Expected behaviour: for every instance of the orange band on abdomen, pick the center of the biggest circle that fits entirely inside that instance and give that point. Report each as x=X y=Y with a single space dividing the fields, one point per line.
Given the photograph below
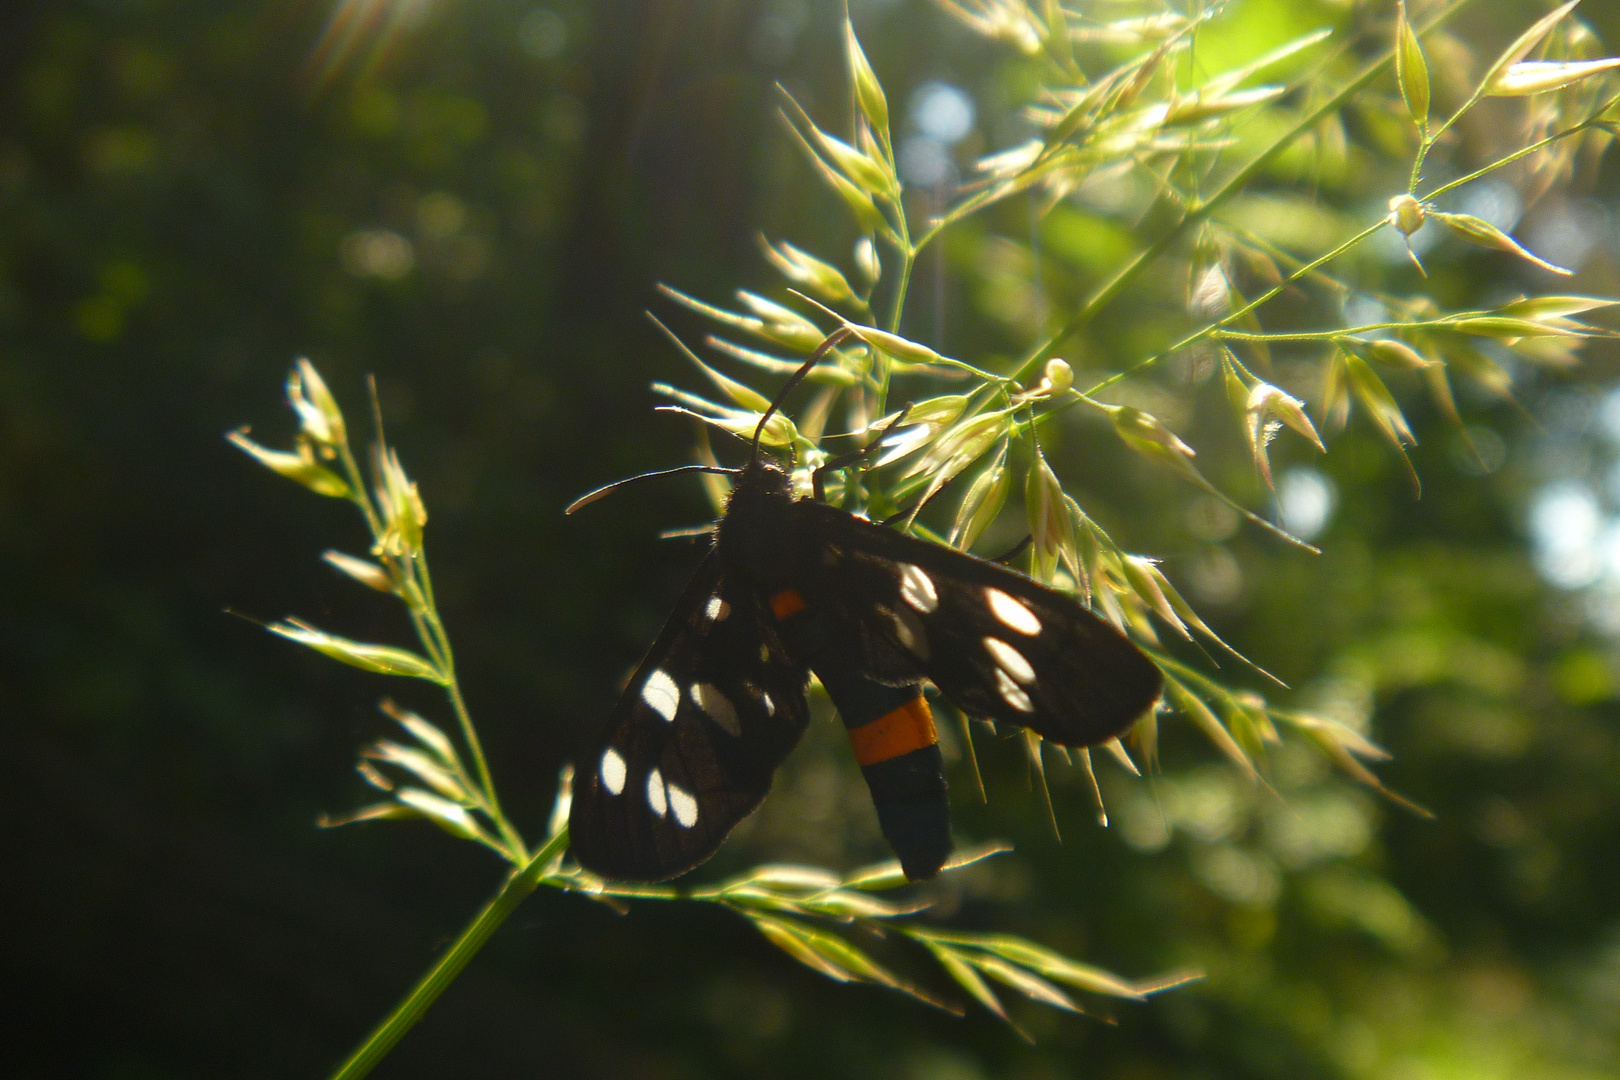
x=786 y=603
x=908 y=728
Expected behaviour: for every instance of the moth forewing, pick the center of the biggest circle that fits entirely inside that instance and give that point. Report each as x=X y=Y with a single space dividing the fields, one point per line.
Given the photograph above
x=702 y=725
x=997 y=643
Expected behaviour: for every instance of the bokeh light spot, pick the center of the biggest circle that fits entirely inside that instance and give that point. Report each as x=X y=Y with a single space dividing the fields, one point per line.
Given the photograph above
x=1305 y=502
x=1565 y=524
x=942 y=112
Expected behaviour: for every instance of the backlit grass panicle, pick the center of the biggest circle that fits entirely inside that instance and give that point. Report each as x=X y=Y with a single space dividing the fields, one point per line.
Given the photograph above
x=819 y=917
x=1139 y=115
x=1223 y=230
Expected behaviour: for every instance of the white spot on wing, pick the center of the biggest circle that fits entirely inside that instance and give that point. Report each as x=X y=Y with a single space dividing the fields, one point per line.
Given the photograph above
x=770 y=706
x=909 y=629
x=708 y=697
x=655 y=792
x=1012 y=612
x=1010 y=660
x=683 y=806
x=717 y=609
x=662 y=694
x=612 y=771
x=1012 y=693
x=917 y=588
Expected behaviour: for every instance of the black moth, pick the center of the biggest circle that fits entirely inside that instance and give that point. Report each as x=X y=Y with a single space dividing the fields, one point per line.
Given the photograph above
x=796 y=585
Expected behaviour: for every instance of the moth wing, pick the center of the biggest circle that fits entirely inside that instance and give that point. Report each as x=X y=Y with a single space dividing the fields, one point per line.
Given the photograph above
x=997 y=643
x=693 y=742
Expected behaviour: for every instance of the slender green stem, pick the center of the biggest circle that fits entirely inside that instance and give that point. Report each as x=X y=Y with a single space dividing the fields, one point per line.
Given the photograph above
x=958 y=212
x=433 y=635
x=908 y=259
x=1428 y=140
x=1260 y=243
x=357 y=486
x=411 y=577
x=1232 y=186
x=902 y=285
x=419 y=624
x=1217 y=329
x=516 y=889
x=1589 y=122
x=1213 y=328
x=508 y=834
x=1417 y=158
x=1220 y=334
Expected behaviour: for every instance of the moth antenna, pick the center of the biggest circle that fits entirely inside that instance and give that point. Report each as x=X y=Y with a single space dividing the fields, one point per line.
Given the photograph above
x=833 y=339
x=1017 y=549
x=586 y=500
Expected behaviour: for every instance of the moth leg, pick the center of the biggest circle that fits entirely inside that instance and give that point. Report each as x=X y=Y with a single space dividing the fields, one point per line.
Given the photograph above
x=818 y=482
x=1015 y=551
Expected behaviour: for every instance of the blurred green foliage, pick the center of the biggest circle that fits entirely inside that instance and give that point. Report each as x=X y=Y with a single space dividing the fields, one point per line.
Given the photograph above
x=475 y=207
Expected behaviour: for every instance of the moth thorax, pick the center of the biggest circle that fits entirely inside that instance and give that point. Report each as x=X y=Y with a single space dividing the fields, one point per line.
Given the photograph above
x=757 y=527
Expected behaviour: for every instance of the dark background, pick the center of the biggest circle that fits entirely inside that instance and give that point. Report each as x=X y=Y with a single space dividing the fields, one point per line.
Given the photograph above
x=179 y=207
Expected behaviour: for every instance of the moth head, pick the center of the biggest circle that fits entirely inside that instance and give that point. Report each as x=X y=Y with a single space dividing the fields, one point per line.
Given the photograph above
x=760 y=481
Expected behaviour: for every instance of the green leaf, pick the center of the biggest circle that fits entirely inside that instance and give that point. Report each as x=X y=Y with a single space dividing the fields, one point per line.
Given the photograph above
x=364 y=571
x=982 y=503
x=1505 y=328
x=449 y=816
x=743 y=395
x=1539 y=76
x=1054 y=965
x=301 y=466
x=1524 y=43
x=429 y=735
x=966 y=977
x=419 y=764
x=1027 y=983
x=382 y=659
x=868 y=91
x=818 y=277
x=888 y=875
x=827 y=953
x=1544 y=307
x=1378 y=401
x=1204 y=717
x=1411 y=71
x=382 y=811
x=1479 y=231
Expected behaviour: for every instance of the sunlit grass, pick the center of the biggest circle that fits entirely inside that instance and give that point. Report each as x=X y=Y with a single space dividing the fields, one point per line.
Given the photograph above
x=1178 y=165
